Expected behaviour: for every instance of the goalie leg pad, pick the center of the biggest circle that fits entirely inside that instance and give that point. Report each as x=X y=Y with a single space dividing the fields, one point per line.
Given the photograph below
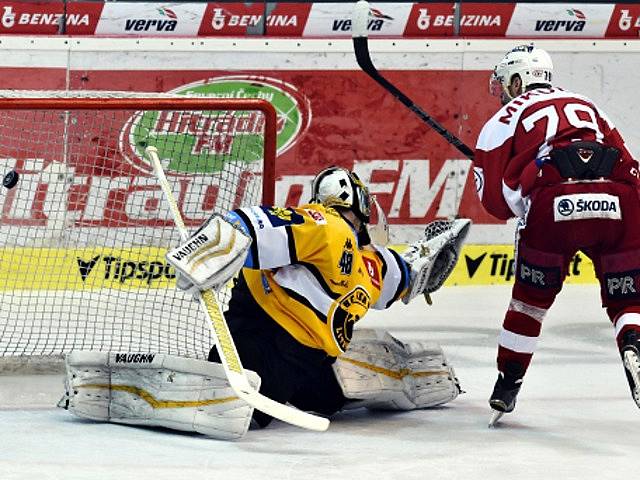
x=379 y=372
x=156 y=390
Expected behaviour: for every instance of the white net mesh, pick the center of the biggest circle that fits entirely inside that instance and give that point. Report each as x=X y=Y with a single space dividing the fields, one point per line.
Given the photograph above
x=84 y=232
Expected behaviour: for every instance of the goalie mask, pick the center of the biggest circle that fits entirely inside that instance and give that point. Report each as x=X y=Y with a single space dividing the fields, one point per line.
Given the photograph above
x=338 y=187
x=533 y=66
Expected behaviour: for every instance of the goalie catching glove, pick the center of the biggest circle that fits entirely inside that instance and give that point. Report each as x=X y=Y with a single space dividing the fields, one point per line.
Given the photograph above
x=211 y=256
x=432 y=259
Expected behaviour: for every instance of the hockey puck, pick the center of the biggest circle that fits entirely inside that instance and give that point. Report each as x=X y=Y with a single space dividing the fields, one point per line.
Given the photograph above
x=10 y=179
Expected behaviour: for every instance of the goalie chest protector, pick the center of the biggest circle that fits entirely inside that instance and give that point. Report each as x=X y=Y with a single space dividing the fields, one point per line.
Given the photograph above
x=327 y=284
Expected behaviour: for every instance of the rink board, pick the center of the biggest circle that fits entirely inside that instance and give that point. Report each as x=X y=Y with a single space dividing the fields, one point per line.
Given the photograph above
x=136 y=268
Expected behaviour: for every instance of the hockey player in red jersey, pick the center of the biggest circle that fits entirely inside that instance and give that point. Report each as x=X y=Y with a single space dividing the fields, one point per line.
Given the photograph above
x=553 y=159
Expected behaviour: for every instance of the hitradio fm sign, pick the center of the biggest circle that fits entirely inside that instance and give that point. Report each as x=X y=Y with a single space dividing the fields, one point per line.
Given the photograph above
x=192 y=142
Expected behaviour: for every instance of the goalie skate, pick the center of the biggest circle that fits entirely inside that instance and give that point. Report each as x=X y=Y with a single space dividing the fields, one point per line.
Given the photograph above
x=631 y=361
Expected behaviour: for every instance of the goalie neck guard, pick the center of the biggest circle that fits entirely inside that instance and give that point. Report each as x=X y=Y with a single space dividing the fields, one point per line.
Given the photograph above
x=338 y=187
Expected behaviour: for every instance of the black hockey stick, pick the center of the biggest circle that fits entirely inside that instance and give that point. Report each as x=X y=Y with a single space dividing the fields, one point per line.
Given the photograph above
x=361 y=48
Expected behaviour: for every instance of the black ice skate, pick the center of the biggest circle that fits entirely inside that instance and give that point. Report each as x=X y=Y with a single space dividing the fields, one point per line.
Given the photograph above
x=631 y=360
x=505 y=391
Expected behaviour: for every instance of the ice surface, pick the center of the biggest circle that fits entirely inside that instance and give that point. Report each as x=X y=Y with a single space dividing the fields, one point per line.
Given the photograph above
x=575 y=418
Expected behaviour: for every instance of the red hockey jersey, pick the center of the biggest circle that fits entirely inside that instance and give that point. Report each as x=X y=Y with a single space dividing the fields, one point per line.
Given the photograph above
x=528 y=128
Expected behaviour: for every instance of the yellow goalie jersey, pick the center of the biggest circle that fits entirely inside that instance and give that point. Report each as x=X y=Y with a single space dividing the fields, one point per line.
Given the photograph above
x=307 y=272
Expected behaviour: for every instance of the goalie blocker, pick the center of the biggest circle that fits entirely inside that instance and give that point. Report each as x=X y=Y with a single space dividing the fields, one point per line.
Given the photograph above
x=211 y=256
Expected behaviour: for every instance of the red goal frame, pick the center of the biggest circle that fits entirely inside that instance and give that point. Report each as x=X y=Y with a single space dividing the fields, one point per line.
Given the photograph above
x=151 y=103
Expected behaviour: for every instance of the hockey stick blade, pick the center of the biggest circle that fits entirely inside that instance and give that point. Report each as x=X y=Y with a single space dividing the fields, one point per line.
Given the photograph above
x=224 y=341
x=238 y=380
x=363 y=57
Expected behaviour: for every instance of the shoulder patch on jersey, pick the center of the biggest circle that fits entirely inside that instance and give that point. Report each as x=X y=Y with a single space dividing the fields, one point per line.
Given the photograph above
x=280 y=217
x=317 y=216
x=372 y=270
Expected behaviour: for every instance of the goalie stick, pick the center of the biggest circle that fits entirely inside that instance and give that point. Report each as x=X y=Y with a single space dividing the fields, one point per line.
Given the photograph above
x=361 y=49
x=220 y=331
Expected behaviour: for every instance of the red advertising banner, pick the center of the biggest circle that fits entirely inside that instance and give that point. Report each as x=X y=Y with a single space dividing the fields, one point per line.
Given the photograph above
x=625 y=21
x=476 y=19
x=485 y=19
x=430 y=19
x=284 y=19
x=48 y=18
x=326 y=118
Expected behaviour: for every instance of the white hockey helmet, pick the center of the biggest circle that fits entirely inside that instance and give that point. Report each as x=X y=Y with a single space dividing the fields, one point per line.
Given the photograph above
x=533 y=65
x=338 y=187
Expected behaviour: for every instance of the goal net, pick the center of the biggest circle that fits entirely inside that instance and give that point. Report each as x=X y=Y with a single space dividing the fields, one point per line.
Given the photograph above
x=84 y=231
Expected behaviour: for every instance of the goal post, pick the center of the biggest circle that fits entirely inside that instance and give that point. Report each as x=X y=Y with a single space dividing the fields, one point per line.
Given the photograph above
x=84 y=231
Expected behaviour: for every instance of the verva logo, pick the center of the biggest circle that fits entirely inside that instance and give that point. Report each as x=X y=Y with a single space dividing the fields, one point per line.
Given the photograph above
x=49 y=18
x=575 y=23
x=335 y=19
x=240 y=19
x=376 y=22
x=131 y=18
x=557 y=20
x=166 y=24
x=191 y=142
x=625 y=21
x=438 y=19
